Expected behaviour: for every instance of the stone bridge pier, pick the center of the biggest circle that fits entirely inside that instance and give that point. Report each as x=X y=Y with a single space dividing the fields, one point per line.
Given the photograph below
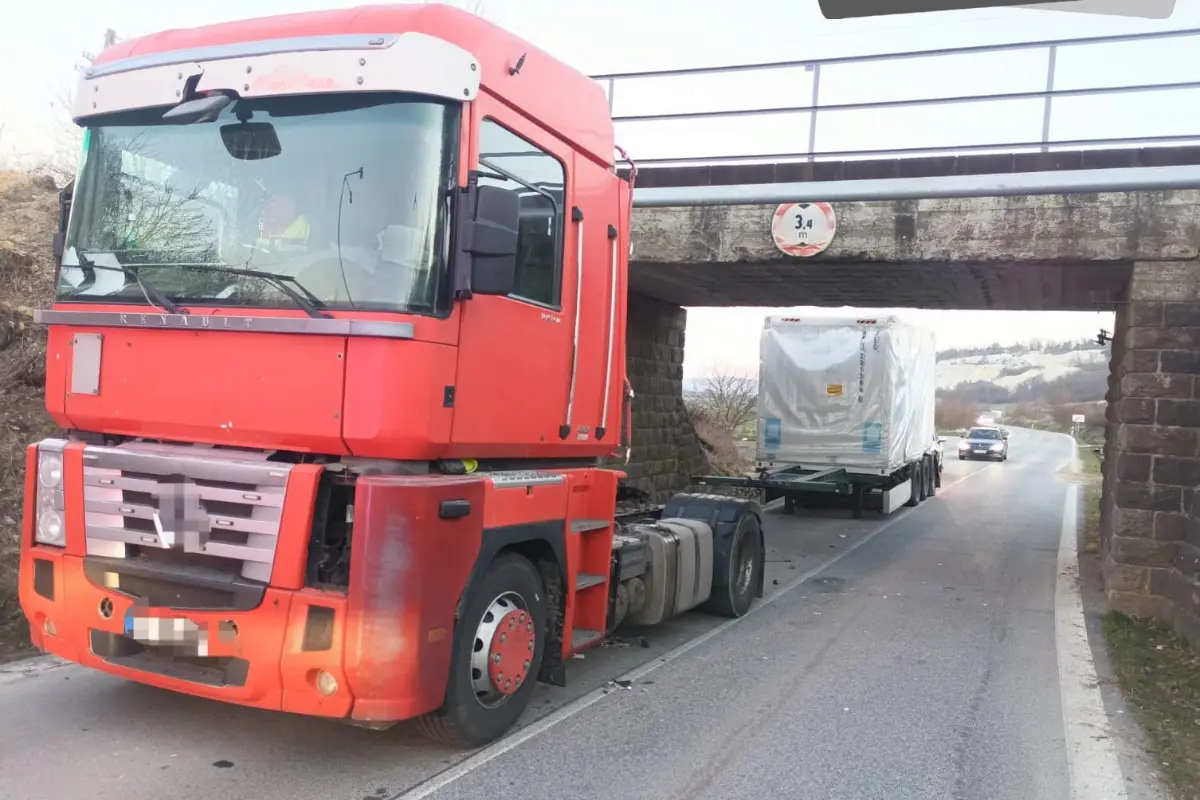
x=666 y=450
x=1150 y=512
x=1136 y=253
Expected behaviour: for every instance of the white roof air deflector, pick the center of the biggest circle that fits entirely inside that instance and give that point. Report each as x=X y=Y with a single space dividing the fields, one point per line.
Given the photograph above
x=407 y=62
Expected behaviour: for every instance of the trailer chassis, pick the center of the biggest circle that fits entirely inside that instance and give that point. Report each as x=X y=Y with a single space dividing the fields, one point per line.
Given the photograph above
x=794 y=483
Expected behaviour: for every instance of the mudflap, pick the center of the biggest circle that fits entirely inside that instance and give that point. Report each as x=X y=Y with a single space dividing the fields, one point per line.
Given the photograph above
x=722 y=514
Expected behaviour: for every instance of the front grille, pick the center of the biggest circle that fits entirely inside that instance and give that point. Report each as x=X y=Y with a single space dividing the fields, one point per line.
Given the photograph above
x=185 y=506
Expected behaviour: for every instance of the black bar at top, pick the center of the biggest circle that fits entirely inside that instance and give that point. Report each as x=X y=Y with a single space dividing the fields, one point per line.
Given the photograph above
x=850 y=9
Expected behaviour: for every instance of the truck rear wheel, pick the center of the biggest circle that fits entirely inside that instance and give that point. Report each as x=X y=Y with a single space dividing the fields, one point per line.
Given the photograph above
x=745 y=567
x=931 y=476
x=914 y=484
x=498 y=646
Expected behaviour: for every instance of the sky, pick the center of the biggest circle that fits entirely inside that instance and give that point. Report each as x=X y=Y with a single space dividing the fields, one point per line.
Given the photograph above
x=49 y=40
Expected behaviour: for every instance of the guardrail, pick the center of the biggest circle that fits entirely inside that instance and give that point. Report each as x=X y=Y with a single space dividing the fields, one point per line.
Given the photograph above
x=1048 y=94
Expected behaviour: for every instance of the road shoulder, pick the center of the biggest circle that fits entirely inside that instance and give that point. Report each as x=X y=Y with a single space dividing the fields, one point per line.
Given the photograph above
x=1143 y=780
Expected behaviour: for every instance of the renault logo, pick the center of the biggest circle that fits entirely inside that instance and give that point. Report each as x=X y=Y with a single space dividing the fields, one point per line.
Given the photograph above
x=181 y=521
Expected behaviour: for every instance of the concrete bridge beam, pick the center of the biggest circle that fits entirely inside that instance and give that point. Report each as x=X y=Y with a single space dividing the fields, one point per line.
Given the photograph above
x=1053 y=252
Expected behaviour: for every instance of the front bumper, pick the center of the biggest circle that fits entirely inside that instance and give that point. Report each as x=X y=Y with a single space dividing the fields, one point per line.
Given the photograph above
x=263 y=658
x=384 y=643
x=971 y=455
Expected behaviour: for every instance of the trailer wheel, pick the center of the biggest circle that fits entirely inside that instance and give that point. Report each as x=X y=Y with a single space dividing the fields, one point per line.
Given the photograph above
x=914 y=481
x=937 y=472
x=745 y=572
x=935 y=478
x=498 y=646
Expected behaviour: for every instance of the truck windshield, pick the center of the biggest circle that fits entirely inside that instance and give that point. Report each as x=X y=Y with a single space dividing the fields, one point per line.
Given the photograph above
x=350 y=198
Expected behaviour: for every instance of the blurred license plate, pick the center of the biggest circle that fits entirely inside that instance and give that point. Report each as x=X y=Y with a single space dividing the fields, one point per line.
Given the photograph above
x=980 y=452
x=167 y=631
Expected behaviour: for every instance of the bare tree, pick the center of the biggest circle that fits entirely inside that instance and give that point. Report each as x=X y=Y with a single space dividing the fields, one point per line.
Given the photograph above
x=955 y=413
x=5 y=157
x=60 y=156
x=729 y=400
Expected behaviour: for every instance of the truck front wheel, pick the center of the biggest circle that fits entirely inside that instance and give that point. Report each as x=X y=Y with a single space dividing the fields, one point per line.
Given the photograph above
x=498 y=646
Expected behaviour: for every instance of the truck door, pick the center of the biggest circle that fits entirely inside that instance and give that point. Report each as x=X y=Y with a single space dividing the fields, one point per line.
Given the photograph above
x=514 y=351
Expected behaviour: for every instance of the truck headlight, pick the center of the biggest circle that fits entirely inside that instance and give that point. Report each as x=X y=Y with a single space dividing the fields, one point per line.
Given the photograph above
x=50 y=471
x=48 y=523
x=50 y=527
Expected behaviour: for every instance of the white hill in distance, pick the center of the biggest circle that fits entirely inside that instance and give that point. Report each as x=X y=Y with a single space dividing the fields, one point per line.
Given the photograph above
x=1069 y=371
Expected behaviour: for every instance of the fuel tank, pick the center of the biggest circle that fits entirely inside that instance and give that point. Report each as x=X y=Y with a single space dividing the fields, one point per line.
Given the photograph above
x=679 y=571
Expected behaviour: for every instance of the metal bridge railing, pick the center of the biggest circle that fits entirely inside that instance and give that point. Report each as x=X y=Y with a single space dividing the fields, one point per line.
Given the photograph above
x=814 y=108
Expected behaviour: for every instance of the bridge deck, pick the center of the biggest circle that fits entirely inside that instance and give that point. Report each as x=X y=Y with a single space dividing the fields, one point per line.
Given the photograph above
x=916 y=167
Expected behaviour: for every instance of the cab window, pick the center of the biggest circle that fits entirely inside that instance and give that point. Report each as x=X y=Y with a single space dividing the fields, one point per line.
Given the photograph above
x=511 y=162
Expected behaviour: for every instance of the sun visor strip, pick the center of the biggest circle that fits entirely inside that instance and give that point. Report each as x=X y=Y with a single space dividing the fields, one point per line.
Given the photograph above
x=233 y=324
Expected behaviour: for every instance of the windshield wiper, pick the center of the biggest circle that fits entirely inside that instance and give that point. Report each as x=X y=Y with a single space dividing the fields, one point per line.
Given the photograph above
x=307 y=301
x=152 y=295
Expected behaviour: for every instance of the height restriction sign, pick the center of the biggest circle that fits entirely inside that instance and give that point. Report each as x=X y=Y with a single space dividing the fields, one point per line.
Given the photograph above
x=803 y=229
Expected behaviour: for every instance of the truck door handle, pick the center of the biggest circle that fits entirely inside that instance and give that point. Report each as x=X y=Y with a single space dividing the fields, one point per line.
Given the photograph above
x=454 y=509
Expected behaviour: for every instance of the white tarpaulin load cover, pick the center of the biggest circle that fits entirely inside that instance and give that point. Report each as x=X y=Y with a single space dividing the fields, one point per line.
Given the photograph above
x=851 y=391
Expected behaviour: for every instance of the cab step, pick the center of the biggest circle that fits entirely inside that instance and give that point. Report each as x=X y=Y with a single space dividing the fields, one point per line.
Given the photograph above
x=589 y=525
x=582 y=637
x=586 y=580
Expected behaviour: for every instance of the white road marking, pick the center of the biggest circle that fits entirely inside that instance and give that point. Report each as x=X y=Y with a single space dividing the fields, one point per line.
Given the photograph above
x=1095 y=773
x=519 y=737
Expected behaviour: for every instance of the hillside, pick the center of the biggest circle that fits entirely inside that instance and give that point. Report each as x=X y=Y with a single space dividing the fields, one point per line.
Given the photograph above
x=28 y=213
x=1056 y=372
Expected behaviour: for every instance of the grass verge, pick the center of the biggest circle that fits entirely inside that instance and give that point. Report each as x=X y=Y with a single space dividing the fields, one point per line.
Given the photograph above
x=1160 y=675
x=1089 y=467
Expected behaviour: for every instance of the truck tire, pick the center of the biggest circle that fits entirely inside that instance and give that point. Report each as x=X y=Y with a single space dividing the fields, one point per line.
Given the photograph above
x=935 y=479
x=503 y=620
x=731 y=519
x=744 y=570
x=914 y=481
x=937 y=473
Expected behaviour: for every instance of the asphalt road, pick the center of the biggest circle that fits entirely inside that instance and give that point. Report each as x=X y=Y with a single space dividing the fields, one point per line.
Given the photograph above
x=912 y=656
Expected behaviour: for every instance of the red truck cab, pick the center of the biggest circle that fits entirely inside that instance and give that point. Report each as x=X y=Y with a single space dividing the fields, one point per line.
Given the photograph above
x=338 y=345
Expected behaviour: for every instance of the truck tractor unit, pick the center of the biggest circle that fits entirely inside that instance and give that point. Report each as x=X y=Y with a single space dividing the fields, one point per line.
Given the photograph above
x=338 y=350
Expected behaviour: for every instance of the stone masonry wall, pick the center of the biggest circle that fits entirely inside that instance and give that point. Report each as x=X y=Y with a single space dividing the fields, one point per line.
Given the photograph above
x=666 y=451
x=1150 y=514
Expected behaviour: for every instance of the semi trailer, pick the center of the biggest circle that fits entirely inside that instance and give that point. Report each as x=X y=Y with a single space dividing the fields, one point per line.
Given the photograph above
x=338 y=350
x=846 y=411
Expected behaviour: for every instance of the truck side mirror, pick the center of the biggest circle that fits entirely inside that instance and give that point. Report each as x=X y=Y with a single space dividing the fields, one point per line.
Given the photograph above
x=64 y=215
x=493 y=246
